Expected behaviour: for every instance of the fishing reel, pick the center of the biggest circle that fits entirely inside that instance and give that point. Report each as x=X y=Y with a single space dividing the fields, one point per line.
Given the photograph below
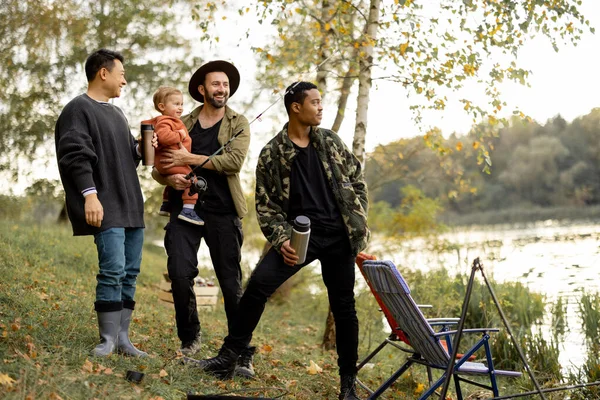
x=199 y=185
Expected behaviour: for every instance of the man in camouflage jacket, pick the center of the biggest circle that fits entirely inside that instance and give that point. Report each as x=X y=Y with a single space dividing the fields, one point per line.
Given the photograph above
x=344 y=176
x=305 y=171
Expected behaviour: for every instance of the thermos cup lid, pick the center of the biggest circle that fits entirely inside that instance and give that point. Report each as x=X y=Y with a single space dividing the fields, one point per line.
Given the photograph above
x=147 y=127
x=302 y=223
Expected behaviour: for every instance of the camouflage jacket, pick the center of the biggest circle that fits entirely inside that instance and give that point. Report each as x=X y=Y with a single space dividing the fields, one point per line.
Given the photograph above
x=344 y=176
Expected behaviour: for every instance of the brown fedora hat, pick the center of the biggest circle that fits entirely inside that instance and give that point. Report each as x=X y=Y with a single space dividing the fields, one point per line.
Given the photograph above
x=219 y=65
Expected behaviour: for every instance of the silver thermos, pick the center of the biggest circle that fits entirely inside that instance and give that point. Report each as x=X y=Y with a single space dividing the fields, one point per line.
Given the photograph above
x=300 y=236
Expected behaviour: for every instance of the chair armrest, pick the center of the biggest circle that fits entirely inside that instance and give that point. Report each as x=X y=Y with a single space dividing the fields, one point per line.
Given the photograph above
x=470 y=330
x=442 y=321
x=424 y=306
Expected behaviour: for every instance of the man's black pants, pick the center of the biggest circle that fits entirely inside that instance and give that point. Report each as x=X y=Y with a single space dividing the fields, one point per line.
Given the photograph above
x=337 y=266
x=224 y=237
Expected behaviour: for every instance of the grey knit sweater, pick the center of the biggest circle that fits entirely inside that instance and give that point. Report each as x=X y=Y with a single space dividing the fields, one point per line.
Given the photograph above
x=95 y=148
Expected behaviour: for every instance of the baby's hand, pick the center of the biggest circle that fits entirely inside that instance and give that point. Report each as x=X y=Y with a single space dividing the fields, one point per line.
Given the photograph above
x=183 y=134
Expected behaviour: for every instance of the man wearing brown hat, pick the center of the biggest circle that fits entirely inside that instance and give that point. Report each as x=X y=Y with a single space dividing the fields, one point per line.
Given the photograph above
x=222 y=205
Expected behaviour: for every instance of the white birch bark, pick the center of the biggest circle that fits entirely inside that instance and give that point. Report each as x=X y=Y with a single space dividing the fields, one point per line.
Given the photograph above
x=364 y=82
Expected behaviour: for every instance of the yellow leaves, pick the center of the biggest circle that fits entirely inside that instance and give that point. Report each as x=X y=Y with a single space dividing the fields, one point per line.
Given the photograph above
x=469 y=69
x=492 y=120
x=6 y=380
x=476 y=145
x=314 y=369
x=327 y=26
x=270 y=58
x=419 y=90
x=570 y=27
x=419 y=389
x=459 y=146
x=403 y=48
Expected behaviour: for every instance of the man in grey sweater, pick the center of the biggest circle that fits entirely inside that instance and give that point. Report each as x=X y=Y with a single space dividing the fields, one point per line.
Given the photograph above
x=97 y=160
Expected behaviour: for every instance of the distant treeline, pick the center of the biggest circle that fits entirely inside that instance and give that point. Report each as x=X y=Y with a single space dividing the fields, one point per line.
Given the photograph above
x=533 y=166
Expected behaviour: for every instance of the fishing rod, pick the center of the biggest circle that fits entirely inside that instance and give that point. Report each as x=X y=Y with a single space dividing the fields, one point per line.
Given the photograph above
x=199 y=184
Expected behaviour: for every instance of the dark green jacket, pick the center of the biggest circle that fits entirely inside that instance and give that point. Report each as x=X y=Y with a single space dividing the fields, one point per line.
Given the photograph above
x=229 y=162
x=344 y=176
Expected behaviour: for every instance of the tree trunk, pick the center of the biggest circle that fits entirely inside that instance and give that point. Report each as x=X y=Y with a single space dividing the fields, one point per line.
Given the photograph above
x=325 y=49
x=343 y=99
x=364 y=82
x=63 y=217
x=329 y=334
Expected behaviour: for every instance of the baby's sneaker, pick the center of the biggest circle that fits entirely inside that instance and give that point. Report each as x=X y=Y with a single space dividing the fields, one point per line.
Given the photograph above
x=189 y=215
x=165 y=209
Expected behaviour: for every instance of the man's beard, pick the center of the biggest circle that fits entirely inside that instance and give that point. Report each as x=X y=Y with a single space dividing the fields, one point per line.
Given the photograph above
x=215 y=103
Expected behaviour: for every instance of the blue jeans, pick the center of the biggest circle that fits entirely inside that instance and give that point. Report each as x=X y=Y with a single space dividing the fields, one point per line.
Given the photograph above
x=119 y=259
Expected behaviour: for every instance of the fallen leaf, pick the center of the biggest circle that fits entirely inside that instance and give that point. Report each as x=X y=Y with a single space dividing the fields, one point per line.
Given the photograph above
x=419 y=389
x=87 y=366
x=6 y=380
x=54 y=396
x=108 y=371
x=314 y=369
x=266 y=348
x=163 y=373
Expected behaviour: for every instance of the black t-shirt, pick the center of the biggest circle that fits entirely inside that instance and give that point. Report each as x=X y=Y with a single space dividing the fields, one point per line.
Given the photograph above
x=310 y=195
x=217 y=198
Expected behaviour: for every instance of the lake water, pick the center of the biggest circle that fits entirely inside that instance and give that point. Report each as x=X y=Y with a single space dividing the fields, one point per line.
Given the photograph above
x=556 y=259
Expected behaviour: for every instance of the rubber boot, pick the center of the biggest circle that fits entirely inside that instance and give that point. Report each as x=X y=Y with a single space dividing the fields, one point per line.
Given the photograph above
x=222 y=366
x=124 y=345
x=348 y=387
x=108 y=325
x=244 y=366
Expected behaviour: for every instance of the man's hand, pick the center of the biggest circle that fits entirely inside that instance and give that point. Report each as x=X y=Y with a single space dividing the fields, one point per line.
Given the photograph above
x=289 y=254
x=177 y=181
x=94 y=213
x=176 y=158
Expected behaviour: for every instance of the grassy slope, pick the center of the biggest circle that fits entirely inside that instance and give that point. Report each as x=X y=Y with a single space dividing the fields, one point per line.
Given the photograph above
x=48 y=327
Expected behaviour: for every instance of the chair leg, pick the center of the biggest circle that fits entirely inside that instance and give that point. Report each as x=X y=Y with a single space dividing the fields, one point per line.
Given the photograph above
x=373 y=354
x=457 y=385
x=392 y=379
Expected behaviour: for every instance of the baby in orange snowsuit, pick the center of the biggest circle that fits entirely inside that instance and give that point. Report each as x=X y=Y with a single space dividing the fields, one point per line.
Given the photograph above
x=170 y=131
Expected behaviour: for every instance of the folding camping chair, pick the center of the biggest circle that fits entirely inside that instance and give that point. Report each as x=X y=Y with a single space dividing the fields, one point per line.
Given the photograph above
x=428 y=350
x=397 y=336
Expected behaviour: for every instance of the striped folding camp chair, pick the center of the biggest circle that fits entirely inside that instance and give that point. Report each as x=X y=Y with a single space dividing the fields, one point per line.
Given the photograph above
x=427 y=345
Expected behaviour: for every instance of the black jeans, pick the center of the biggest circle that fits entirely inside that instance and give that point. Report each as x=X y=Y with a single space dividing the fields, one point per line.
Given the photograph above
x=224 y=237
x=337 y=266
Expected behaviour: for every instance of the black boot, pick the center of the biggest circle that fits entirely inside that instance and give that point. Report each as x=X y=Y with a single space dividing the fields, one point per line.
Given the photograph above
x=222 y=366
x=348 y=387
x=244 y=366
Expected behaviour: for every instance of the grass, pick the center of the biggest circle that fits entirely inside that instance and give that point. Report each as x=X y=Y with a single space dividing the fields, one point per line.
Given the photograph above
x=48 y=326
